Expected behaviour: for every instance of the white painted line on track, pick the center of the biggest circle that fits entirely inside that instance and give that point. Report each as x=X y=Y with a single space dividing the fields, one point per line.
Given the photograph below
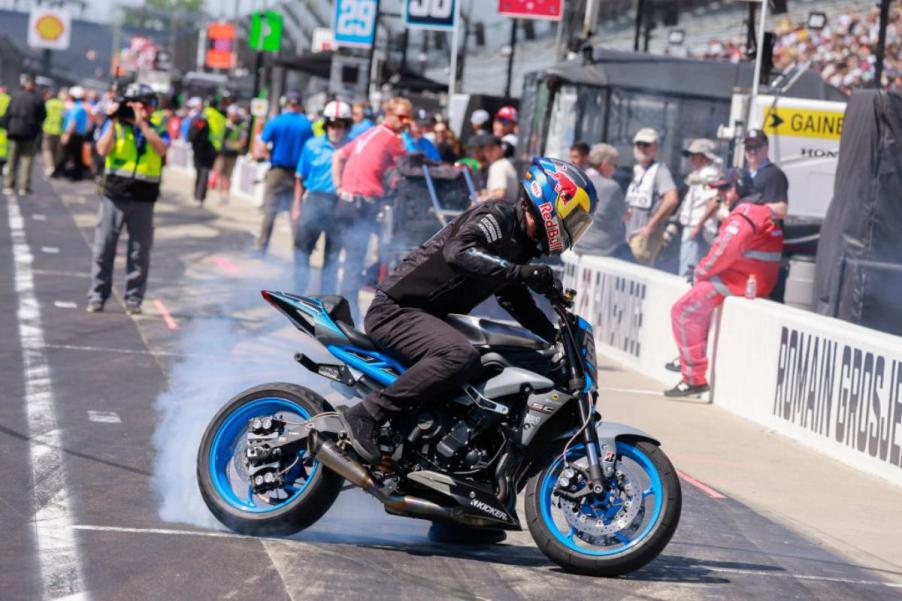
x=65 y=305
x=57 y=549
x=104 y=417
x=50 y=250
x=103 y=349
x=630 y=390
x=701 y=486
x=39 y=217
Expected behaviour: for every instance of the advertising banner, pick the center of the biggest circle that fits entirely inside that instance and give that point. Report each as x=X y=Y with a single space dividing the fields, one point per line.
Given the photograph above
x=49 y=28
x=439 y=15
x=354 y=23
x=266 y=31
x=220 y=46
x=552 y=10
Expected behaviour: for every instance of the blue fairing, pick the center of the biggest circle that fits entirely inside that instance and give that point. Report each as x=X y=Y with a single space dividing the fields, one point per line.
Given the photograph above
x=587 y=352
x=310 y=315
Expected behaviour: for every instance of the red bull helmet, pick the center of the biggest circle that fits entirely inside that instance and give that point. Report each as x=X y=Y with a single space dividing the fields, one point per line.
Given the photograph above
x=563 y=199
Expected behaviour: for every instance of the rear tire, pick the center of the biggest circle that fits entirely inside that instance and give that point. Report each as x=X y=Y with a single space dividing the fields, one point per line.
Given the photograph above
x=573 y=553
x=218 y=471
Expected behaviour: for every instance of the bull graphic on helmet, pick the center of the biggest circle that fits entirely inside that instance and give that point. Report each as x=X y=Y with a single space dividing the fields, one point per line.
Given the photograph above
x=562 y=198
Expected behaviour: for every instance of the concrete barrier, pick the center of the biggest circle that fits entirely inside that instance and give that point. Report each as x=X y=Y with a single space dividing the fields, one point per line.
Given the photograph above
x=829 y=384
x=629 y=308
x=826 y=383
x=180 y=157
x=247 y=180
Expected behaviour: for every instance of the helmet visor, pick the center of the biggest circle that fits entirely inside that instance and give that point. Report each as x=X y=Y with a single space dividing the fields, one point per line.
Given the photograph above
x=575 y=225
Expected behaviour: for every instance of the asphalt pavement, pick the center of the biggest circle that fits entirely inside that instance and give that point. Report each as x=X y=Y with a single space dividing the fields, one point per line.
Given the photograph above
x=101 y=415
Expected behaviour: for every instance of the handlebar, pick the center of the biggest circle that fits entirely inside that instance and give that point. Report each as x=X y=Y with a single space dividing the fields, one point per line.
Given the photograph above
x=559 y=296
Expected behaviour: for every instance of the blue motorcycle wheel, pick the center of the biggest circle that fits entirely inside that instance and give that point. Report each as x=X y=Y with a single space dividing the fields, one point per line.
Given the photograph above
x=616 y=531
x=309 y=488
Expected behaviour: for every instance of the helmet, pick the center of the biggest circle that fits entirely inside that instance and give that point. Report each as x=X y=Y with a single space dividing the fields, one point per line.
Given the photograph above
x=337 y=111
x=562 y=199
x=140 y=92
x=77 y=92
x=507 y=113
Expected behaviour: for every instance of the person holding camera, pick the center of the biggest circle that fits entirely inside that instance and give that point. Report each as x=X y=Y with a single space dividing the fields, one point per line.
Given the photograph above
x=651 y=197
x=133 y=146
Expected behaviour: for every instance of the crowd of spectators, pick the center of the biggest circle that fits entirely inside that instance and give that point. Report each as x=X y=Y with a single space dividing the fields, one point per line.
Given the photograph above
x=842 y=52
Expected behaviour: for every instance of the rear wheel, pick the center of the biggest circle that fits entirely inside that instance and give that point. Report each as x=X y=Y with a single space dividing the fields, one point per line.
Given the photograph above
x=308 y=488
x=613 y=532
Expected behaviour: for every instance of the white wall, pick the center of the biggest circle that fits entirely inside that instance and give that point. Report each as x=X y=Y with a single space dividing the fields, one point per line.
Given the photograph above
x=828 y=384
x=247 y=179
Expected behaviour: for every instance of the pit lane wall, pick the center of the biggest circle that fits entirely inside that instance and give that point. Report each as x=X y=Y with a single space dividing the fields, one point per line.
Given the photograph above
x=247 y=178
x=826 y=383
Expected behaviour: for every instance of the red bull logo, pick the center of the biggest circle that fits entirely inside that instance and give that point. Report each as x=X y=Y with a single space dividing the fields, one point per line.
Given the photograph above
x=552 y=231
x=569 y=194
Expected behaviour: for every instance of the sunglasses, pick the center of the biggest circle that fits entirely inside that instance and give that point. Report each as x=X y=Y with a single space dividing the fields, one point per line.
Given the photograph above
x=404 y=117
x=643 y=144
x=753 y=147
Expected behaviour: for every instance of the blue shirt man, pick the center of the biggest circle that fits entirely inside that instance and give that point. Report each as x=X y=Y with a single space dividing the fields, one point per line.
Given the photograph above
x=315 y=164
x=313 y=211
x=360 y=127
x=287 y=134
x=78 y=116
x=422 y=145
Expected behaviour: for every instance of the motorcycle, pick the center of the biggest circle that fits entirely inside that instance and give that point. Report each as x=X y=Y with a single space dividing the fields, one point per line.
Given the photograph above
x=601 y=498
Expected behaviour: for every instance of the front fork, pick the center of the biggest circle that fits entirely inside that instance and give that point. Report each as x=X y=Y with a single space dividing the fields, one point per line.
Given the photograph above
x=590 y=437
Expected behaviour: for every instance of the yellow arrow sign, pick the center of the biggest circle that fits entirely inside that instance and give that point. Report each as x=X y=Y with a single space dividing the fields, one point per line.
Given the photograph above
x=803 y=123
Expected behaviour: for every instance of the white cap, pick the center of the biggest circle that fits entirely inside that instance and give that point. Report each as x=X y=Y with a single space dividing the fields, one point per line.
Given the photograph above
x=194 y=102
x=480 y=117
x=703 y=146
x=647 y=135
x=233 y=109
x=77 y=92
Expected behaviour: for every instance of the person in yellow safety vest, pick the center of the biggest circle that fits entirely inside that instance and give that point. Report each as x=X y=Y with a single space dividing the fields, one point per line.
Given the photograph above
x=232 y=147
x=133 y=150
x=217 y=123
x=4 y=145
x=53 y=131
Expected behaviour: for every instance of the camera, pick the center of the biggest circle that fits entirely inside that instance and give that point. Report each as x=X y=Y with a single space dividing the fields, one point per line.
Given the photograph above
x=124 y=112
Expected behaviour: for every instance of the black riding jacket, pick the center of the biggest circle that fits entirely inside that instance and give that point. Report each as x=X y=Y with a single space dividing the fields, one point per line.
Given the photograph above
x=476 y=255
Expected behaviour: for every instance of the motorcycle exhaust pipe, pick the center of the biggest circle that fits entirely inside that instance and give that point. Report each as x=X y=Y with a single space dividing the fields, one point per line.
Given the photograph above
x=331 y=456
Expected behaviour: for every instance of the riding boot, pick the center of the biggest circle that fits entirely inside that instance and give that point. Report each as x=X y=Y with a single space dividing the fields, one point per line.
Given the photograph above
x=362 y=427
x=457 y=534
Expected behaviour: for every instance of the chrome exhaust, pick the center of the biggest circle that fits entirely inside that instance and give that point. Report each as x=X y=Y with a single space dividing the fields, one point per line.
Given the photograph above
x=328 y=453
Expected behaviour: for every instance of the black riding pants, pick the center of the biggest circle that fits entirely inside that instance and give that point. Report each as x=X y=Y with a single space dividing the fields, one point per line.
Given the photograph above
x=440 y=357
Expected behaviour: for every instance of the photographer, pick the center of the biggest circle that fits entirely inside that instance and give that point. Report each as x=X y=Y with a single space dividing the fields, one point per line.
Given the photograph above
x=133 y=147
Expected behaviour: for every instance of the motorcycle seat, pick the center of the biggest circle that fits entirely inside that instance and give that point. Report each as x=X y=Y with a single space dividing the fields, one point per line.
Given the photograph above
x=357 y=338
x=491 y=334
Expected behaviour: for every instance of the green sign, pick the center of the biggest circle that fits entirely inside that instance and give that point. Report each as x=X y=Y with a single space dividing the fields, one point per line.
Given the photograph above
x=266 y=31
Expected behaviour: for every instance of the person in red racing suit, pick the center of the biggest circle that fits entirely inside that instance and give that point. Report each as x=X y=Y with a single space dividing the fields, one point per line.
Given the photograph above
x=749 y=244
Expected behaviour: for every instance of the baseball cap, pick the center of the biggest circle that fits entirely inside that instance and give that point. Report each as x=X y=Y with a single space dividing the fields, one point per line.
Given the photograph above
x=480 y=117
x=292 y=97
x=755 y=136
x=483 y=140
x=423 y=117
x=194 y=102
x=77 y=92
x=727 y=178
x=702 y=146
x=507 y=113
x=647 y=135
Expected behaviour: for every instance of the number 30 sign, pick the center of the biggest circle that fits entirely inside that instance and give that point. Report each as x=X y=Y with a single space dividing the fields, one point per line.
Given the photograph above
x=355 y=23
x=430 y=14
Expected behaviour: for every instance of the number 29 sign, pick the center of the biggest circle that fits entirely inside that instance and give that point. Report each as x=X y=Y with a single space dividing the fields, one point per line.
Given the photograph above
x=430 y=14
x=355 y=23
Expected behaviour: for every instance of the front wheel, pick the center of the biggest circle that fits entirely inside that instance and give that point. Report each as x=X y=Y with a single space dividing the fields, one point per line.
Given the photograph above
x=308 y=489
x=613 y=532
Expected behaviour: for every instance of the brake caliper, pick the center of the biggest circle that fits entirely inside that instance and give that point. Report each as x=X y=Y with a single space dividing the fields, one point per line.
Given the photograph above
x=263 y=467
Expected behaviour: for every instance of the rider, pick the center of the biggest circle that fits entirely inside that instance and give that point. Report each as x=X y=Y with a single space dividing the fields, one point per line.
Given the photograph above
x=485 y=251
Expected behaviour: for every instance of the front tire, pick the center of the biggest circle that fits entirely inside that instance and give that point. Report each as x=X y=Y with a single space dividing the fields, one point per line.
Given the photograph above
x=310 y=488
x=617 y=531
